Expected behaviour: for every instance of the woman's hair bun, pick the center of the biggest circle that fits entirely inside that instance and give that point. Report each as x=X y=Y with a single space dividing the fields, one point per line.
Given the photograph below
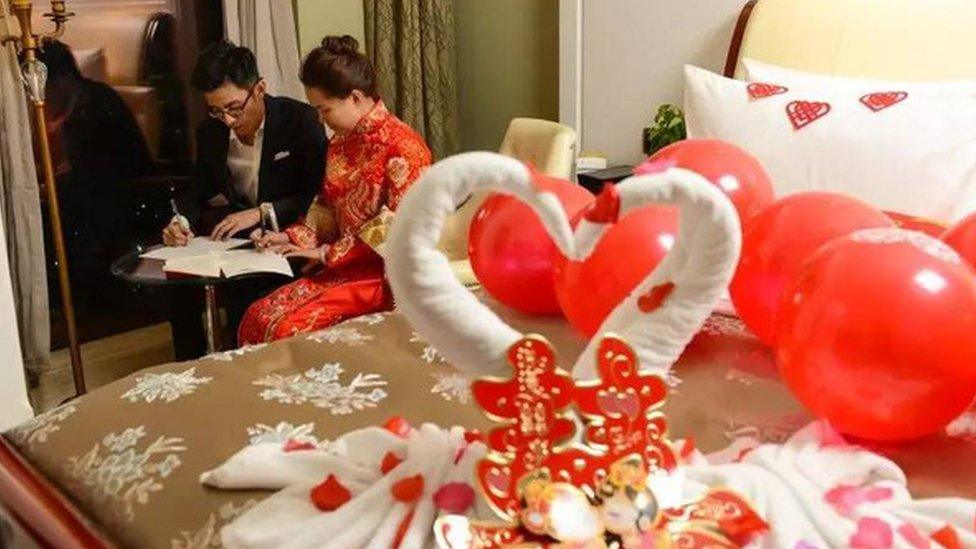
x=340 y=45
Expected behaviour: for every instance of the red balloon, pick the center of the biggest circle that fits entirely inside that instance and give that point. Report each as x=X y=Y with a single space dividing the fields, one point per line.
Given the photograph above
x=512 y=254
x=737 y=173
x=930 y=227
x=875 y=334
x=962 y=238
x=776 y=242
x=589 y=290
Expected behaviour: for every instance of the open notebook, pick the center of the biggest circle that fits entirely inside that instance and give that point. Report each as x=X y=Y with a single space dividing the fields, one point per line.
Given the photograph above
x=205 y=257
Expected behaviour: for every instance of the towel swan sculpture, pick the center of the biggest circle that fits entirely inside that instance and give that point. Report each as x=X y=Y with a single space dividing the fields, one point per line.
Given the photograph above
x=658 y=318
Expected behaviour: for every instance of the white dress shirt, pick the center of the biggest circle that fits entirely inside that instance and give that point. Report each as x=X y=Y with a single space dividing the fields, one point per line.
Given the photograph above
x=244 y=162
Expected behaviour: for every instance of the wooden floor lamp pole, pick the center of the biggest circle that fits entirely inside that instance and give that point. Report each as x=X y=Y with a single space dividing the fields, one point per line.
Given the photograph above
x=34 y=74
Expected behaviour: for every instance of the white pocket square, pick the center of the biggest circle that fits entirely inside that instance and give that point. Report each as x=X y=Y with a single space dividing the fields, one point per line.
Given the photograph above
x=282 y=154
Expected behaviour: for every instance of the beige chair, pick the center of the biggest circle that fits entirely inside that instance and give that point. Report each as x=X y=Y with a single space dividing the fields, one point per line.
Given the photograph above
x=548 y=146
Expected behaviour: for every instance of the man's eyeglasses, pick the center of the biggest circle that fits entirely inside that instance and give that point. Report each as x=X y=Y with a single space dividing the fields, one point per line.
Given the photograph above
x=233 y=112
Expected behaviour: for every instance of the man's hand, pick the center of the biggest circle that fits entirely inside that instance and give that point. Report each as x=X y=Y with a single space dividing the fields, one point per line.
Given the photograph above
x=175 y=234
x=264 y=240
x=235 y=223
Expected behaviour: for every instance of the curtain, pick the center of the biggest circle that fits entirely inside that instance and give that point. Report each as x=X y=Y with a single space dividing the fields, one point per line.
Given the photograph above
x=20 y=207
x=23 y=278
x=267 y=27
x=412 y=46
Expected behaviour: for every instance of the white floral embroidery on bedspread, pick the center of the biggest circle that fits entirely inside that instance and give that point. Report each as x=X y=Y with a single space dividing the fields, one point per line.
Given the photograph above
x=282 y=432
x=37 y=430
x=165 y=387
x=227 y=356
x=340 y=334
x=452 y=386
x=118 y=472
x=322 y=388
x=428 y=354
x=207 y=536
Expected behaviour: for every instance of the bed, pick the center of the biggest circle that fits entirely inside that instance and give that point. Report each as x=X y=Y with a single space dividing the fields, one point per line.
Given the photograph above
x=121 y=465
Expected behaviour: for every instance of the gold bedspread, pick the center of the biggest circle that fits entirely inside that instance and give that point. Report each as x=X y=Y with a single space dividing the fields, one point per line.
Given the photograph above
x=130 y=454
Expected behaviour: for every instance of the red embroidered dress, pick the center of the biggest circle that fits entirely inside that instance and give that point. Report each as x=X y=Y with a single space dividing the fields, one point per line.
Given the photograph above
x=367 y=172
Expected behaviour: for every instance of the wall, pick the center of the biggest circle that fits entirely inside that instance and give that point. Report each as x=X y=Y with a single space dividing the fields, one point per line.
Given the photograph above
x=317 y=19
x=632 y=54
x=508 y=66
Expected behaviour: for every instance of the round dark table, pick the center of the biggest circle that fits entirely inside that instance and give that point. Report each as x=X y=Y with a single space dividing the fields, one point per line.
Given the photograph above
x=149 y=272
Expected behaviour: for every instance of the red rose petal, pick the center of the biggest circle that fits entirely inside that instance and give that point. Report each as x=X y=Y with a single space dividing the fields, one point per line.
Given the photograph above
x=402 y=529
x=947 y=537
x=687 y=448
x=606 y=207
x=409 y=489
x=655 y=297
x=398 y=426
x=330 y=495
x=390 y=461
x=454 y=497
x=292 y=445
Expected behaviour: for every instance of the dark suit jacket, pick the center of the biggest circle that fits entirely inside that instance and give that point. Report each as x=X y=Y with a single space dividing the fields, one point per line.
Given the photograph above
x=292 y=162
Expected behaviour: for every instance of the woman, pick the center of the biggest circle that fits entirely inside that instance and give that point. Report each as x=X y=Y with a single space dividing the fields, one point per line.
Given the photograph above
x=373 y=159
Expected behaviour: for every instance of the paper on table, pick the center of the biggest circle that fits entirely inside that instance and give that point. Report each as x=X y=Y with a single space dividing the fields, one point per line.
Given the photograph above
x=231 y=263
x=200 y=265
x=237 y=262
x=198 y=246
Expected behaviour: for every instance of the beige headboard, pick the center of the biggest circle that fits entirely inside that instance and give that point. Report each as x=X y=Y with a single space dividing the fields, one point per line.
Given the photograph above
x=889 y=39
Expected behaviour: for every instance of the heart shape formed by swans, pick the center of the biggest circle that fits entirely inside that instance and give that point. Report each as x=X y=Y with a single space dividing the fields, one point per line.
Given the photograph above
x=473 y=338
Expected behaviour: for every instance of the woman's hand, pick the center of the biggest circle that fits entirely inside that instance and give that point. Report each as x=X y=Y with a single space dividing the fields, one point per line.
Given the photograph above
x=264 y=240
x=315 y=256
x=235 y=223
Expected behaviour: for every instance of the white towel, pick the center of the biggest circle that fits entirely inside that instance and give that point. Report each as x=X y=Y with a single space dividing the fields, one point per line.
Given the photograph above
x=372 y=517
x=816 y=491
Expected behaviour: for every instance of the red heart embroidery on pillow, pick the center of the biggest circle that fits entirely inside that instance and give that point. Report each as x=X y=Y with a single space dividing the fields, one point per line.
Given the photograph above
x=882 y=100
x=760 y=90
x=804 y=113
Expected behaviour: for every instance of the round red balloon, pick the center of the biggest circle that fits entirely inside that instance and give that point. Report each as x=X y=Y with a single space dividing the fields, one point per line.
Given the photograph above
x=777 y=241
x=913 y=223
x=962 y=238
x=588 y=290
x=512 y=254
x=875 y=334
x=737 y=173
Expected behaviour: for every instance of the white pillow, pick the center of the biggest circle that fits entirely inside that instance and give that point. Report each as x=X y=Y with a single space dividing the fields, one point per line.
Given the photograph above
x=92 y=63
x=905 y=152
x=757 y=71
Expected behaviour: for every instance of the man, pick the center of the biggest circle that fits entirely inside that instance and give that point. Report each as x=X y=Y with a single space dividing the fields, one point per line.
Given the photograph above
x=259 y=152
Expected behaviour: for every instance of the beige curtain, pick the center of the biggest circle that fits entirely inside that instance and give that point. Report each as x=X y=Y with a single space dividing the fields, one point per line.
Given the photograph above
x=21 y=211
x=413 y=47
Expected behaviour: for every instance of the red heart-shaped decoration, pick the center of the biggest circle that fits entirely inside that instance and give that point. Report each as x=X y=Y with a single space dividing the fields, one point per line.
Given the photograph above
x=882 y=100
x=760 y=90
x=804 y=113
